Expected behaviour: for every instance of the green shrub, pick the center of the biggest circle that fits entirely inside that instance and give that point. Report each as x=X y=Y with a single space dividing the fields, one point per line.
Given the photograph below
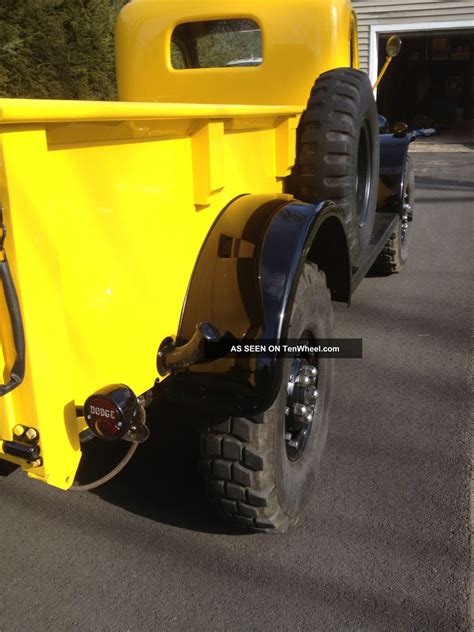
x=58 y=49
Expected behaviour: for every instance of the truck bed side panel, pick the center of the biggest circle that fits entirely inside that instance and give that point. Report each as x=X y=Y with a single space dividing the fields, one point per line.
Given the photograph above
x=95 y=212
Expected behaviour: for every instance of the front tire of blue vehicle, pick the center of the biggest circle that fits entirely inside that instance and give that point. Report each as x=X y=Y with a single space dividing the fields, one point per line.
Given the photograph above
x=395 y=254
x=256 y=474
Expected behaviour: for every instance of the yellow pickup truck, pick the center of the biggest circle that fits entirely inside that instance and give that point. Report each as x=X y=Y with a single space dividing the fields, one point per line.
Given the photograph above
x=238 y=187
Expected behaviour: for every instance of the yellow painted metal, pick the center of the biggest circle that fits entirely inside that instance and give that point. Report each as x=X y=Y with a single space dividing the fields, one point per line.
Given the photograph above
x=46 y=111
x=45 y=400
x=107 y=205
x=387 y=63
x=301 y=39
x=106 y=219
x=354 y=41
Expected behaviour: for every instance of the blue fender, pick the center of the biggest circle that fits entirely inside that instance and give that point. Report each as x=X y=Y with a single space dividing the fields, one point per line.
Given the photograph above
x=393 y=157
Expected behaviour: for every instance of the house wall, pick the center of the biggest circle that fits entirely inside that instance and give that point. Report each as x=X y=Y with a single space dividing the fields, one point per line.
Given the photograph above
x=427 y=14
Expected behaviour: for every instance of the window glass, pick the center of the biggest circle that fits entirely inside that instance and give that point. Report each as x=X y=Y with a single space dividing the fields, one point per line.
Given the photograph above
x=216 y=44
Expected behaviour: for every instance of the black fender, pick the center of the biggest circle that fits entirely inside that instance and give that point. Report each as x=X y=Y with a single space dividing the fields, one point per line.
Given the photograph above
x=393 y=157
x=243 y=284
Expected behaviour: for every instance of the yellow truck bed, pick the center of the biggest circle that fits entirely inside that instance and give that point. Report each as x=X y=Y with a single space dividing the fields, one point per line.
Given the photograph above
x=107 y=206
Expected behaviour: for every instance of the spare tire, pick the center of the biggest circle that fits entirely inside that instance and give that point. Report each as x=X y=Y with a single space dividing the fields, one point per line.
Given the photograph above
x=338 y=155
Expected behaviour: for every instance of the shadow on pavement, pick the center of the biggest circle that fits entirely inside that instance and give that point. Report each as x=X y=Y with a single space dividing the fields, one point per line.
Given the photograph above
x=162 y=482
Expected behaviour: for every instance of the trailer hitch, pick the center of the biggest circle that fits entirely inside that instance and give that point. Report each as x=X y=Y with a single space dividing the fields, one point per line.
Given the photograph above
x=173 y=358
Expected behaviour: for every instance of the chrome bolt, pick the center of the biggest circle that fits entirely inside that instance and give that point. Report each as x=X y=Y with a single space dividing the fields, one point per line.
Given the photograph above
x=309 y=370
x=287 y=410
x=300 y=409
x=304 y=380
x=294 y=444
x=288 y=436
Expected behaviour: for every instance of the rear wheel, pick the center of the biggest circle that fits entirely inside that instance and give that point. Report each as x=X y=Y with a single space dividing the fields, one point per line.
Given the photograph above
x=260 y=471
x=338 y=152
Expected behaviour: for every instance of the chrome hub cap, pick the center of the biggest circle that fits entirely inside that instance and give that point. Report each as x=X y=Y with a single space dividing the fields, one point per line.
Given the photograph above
x=301 y=405
x=407 y=217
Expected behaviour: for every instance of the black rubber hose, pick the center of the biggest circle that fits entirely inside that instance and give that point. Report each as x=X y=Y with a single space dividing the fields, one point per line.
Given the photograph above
x=117 y=469
x=17 y=372
x=105 y=479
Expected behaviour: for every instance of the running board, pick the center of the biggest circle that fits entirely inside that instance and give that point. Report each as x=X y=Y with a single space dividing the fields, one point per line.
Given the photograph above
x=385 y=224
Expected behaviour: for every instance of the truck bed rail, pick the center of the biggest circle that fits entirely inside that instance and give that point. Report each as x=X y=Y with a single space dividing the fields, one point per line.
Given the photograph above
x=58 y=111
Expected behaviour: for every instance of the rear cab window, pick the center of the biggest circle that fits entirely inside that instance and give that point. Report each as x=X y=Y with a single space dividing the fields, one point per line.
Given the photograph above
x=229 y=43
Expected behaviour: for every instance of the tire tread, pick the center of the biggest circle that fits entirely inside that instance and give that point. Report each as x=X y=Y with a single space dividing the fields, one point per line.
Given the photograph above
x=236 y=459
x=326 y=138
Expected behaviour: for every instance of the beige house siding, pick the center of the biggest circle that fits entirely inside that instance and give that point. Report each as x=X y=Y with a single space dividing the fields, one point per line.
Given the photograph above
x=406 y=12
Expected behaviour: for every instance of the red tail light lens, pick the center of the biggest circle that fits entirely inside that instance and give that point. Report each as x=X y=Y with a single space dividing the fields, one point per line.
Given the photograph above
x=110 y=412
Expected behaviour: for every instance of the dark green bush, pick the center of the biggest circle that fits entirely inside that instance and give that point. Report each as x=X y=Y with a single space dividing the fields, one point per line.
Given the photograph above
x=58 y=49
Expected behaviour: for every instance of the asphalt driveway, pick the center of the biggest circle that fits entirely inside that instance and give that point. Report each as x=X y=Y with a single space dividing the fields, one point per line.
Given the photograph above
x=384 y=544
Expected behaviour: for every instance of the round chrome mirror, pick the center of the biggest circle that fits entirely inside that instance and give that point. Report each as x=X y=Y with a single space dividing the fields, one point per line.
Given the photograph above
x=394 y=45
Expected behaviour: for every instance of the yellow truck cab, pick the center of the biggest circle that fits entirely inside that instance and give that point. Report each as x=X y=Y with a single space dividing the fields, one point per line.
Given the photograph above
x=237 y=187
x=165 y=50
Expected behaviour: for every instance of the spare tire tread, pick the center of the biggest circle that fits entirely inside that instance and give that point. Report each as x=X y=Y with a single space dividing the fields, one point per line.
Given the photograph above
x=327 y=148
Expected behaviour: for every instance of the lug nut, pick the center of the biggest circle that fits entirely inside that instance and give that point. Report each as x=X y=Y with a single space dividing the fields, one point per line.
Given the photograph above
x=304 y=380
x=300 y=409
x=37 y=463
x=294 y=444
x=18 y=430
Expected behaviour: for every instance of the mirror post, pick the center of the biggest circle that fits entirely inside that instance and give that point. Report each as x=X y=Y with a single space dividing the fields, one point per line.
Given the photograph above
x=394 y=44
x=387 y=63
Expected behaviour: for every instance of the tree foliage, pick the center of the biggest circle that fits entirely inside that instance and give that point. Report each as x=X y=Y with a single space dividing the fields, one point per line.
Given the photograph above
x=58 y=49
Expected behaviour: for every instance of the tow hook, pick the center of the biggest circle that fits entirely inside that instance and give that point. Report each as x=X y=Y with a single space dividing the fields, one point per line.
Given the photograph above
x=172 y=358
